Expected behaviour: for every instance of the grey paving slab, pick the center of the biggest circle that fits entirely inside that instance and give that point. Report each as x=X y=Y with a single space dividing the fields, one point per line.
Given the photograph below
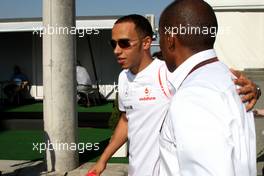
x=28 y=168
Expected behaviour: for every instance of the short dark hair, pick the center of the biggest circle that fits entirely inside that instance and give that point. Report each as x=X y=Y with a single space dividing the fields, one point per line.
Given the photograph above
x=192 y=13
x=142 y=25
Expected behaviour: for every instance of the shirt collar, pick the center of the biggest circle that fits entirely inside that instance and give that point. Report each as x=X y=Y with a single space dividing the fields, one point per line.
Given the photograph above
x=177 y=77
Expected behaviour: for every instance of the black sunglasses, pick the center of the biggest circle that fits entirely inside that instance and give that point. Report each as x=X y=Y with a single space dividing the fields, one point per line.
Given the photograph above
x=122 y=43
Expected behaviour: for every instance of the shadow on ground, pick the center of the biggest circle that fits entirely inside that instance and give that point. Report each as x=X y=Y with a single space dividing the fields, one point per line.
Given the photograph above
x=28 y=168
x=36 y=167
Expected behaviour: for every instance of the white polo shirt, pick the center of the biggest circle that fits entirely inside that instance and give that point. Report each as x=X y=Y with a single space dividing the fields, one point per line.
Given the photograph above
x=144 y=97
x=82 y=76
x=207 y=131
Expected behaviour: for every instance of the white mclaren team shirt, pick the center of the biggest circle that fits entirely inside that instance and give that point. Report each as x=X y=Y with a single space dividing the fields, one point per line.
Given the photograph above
x=144 y=97
x=207 y=131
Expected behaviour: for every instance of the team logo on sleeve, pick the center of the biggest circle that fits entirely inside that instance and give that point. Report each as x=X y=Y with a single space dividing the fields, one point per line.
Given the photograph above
x=147 y=95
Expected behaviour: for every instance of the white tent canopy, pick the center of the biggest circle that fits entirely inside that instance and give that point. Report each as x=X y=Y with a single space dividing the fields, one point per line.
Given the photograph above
x=239 y=43
x=236 y=4
x=32 y=24
x=240 y=39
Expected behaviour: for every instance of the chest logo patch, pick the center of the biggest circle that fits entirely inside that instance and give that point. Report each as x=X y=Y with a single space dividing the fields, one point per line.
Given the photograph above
x=147 y=96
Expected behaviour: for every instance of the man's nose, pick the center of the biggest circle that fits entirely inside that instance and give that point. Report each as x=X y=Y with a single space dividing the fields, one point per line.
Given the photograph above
x=117 y=50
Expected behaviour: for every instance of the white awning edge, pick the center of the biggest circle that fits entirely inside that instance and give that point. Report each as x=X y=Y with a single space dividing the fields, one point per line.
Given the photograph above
x=28 y=26
x=236 y=4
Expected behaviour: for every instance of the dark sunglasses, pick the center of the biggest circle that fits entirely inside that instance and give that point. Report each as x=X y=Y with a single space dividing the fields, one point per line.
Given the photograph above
x=122 y=43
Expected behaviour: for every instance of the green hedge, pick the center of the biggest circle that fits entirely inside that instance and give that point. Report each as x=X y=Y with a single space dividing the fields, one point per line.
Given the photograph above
x=115 y=114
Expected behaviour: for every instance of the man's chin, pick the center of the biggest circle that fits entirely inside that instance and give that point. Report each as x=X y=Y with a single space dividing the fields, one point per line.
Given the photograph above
x=124 y=66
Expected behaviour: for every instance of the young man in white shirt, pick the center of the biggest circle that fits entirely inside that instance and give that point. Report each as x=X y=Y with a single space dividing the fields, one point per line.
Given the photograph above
x=207 y=131
x=143 y=97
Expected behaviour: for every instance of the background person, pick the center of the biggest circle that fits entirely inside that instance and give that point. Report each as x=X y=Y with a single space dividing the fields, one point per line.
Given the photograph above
x=259 y=112
x=83 y=77
x=18 y=83
x=84 y=84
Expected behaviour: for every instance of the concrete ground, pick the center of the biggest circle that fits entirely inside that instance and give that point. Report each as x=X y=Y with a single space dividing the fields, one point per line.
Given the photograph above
x=36 y=168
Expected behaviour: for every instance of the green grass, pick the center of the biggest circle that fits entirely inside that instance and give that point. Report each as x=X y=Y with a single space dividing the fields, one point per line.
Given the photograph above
x=18 y=144
x=103 y=108
x=38 y=107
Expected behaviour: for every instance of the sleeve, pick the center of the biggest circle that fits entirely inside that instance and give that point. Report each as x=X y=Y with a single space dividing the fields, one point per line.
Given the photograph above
x=165 y=87
x=120 y=104
x=120 y=94
x=201 y=134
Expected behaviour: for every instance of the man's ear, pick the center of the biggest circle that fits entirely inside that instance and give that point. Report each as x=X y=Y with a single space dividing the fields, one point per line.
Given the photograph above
x=171 y=42
x=147 y=42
